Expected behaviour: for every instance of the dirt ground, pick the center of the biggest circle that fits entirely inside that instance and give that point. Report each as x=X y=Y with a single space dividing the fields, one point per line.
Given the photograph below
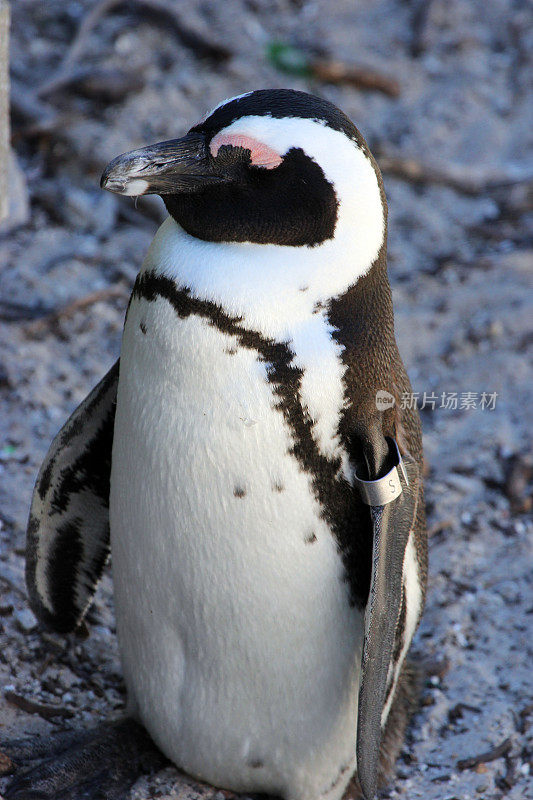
x=460 y=258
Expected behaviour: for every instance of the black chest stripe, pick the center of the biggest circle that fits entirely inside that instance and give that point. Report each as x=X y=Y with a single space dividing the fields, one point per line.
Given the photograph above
x=341 y=506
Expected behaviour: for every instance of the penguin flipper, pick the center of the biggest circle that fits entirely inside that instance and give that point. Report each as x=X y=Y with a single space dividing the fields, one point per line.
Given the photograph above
x=392 y=523
x=67 y=541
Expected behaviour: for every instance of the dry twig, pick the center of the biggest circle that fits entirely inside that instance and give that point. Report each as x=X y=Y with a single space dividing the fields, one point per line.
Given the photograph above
x=11 y=311
x=109 y=84
x=458 y=178
x=295 y=61
x=44 y=710
x=456 y=712
x=37 y=117
x=360 y=77
x=167 y=8
x=65 y=312
x=490 y=755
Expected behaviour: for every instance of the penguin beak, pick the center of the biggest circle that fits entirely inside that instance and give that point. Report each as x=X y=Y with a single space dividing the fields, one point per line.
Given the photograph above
x=179 y=165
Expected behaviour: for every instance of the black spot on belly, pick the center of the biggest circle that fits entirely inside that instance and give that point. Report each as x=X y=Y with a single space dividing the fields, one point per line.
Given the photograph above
x=278 y=487
x=239 y=491
x=231 y=351
x=142 y=326
x=310 y=538
x=256 y=763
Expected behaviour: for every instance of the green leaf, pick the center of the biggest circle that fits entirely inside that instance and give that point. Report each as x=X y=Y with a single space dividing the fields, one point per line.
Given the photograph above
x=287 y=58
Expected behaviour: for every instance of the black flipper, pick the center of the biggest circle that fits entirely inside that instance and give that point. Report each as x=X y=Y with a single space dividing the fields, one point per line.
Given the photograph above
x=67 y=542
x=392 y=524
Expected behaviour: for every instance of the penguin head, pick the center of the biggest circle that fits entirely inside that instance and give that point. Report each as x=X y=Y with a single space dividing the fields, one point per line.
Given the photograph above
x=271 y=167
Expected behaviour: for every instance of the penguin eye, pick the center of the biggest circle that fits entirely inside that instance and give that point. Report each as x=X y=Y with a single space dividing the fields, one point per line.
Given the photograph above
x=261 y=155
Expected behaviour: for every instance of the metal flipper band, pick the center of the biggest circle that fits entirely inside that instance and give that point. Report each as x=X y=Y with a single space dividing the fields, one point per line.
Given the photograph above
x=386 y=489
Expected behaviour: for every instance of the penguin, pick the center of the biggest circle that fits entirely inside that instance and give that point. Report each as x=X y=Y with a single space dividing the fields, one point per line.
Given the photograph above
x=264 y=511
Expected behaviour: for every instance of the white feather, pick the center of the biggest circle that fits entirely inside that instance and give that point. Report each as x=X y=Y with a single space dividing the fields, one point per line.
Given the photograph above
x=224 y=103
x=236 y=635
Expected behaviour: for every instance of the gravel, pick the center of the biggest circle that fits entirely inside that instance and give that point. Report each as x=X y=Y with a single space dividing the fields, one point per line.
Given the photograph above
x=460 y=266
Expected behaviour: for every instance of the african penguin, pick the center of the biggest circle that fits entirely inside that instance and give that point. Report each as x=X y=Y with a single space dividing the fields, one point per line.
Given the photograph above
x=266 y=517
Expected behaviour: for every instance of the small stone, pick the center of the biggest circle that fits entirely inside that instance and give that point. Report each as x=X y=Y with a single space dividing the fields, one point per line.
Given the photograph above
x=25 y=620
x=6 y=765
x=496 y=329
x=49 y=685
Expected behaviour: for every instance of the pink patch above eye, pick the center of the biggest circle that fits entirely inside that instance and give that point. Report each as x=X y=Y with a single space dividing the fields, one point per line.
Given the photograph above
x=261 y=154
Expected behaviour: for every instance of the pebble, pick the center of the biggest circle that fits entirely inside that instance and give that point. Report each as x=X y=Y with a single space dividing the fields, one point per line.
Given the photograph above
x=25 y=620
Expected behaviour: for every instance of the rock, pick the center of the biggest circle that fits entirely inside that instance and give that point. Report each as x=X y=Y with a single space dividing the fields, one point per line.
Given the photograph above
x=18 y=205
x=25 y=620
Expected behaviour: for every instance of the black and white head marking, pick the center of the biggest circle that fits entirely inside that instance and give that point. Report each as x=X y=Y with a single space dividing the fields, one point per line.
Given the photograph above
x=275 y=166
x=295 y=202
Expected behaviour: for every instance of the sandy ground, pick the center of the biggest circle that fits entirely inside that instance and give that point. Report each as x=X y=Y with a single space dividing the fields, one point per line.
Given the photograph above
x=460 y=265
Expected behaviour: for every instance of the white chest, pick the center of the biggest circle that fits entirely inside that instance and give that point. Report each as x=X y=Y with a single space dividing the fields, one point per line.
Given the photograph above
x=239 y=647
